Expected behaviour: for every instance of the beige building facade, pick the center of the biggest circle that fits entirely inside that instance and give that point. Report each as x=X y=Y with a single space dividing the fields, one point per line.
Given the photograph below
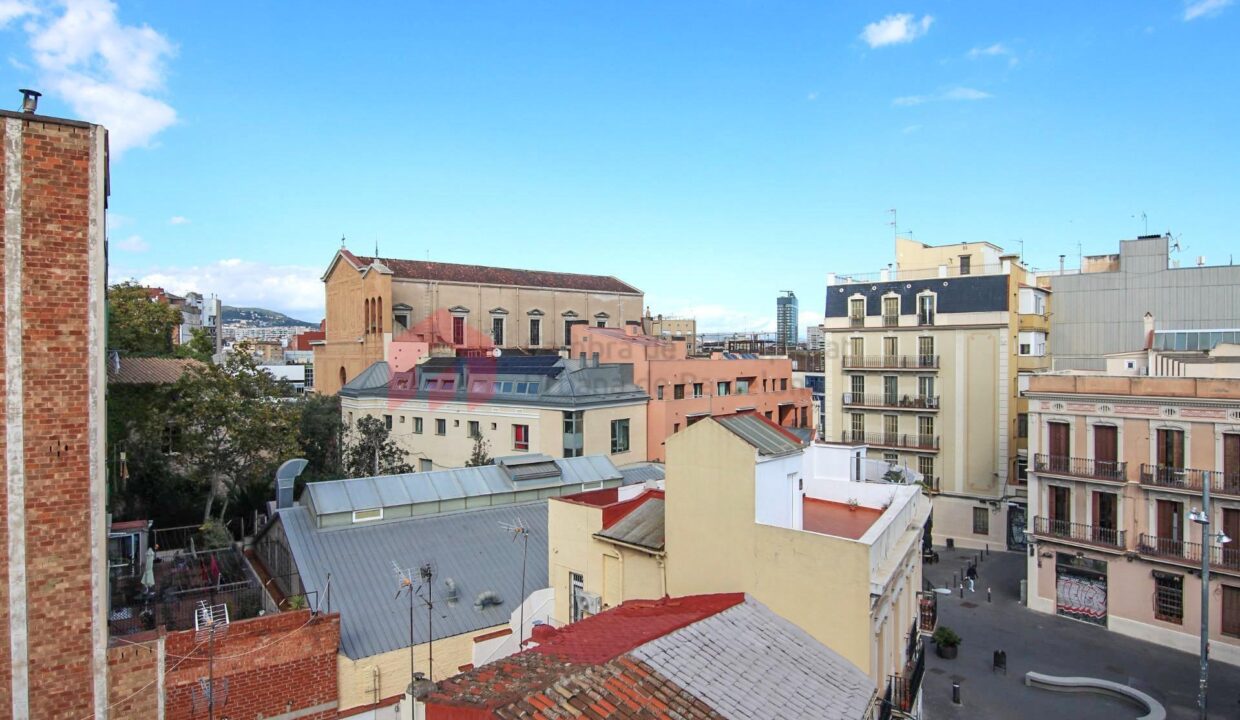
x=451 y=308
x=924 y=363
x=1119 y=464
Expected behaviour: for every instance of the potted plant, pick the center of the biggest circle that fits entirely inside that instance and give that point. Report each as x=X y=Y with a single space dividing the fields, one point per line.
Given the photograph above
x=946 y=642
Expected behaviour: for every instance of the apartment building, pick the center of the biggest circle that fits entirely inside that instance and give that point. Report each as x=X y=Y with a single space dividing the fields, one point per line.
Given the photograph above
x=374 y=303
x=672 y=328
x=1098 y=310
x=683 y=390
x=748 y=507
x=516 y=404
x=924 y=362
x=1120 y=464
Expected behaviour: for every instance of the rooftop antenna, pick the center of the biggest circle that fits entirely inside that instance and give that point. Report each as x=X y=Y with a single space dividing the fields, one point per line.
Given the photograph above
x=405 y=584
x=895 y=232
x=1022 y=251
x=341 y=241
x=210 y=622
x=1145 y=221
x=520 y=531
x=426 y=591
x=376 y=245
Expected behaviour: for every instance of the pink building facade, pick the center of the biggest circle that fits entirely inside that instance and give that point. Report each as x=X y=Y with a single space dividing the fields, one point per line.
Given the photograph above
x=683 y=390
x=1117 y=465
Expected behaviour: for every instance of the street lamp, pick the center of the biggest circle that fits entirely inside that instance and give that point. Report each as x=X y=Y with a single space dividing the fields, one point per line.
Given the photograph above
x=1202 y=518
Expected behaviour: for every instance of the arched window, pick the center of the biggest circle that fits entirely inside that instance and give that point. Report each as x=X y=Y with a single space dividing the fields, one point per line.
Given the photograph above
x=366 y=315
x=379 y=317
x=343 y=376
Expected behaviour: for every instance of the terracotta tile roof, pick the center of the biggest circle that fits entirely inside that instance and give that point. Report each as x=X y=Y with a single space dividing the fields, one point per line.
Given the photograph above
x=149 y=371
x=453 y=272
x=733 y=658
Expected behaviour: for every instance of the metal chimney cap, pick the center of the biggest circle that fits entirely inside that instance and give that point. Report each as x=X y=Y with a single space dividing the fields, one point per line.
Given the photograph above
x=30 y=99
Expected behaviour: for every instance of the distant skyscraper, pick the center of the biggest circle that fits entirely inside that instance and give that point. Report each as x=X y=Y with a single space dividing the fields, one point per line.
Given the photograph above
x=786 y=320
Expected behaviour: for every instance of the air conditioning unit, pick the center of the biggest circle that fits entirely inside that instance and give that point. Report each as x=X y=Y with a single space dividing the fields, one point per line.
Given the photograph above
x=591 y=602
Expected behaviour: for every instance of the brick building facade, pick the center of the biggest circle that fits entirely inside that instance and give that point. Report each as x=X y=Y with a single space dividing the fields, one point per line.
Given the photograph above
x=53 y=583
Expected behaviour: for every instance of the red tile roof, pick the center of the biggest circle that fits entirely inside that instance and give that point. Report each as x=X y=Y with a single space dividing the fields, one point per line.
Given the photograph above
x=453 y=272
x=584 y=666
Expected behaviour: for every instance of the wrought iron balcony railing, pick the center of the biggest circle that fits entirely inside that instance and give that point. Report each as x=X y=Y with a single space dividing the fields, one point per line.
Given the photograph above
x=892 y=362
x=1175 y=478
x=1114 y=471
x=896 y=440
x=908 y=402
x=1171 y=548
x=1077 y=532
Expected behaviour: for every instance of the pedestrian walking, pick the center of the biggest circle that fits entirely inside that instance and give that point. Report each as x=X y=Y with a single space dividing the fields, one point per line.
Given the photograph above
x=971 y=575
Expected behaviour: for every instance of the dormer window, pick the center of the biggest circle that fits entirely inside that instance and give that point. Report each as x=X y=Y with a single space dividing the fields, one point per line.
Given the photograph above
x=926 y=307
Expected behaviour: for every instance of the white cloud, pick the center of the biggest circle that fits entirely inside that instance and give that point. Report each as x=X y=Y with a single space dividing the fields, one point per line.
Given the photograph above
x=292 y=289
x=132 y=244
x=812 y=96
x=178 y=220
x=896 y=29
x=1194 y=9
x=993 y=51
x=952 y=94
x=108 y=72
x=12 y=9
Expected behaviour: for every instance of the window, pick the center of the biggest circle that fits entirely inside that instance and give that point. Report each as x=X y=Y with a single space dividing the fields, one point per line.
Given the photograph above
x=1022 y=425
x=1170 y=448
x=601 y=323
x=1231 y=611
x=678 y=392
x=432 y=384
x=458 y=330
x=425 y=465
x=594 y=359
x=925 y=429
x=891 y=458
x=856 y=347
x=723 y=388
x=535 y=332
x=497 y=330
x=568 y=332
x=891 y=311
x=966 y=264
x=891 y=390
x=365 y=515
x=925 y=351
x=698 y=390
x=981 y=521
x=441 y=426
x=456 y=423
x=891 y=429
x=857 y=383
x=856 y=312
x=658 y=392
x=925 y=309
x=402 y=419
x=1022 y=470
x=448 y=384
x=742 y=386
x=925 y=466
x=577 y=603
x=1168 y=597
x=387 y=421
x=417 y=426
x=783 y=383
x=520 y=437
x=573 y=440
x=857 y=425
x=475 y=431
x=925 y=390
x=675 y=428
x=891 y=348
x=620 y=435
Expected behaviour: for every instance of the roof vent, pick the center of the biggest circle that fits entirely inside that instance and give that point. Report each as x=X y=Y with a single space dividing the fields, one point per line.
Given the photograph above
x=30 y=100
x=286 y=481
x=529 y=467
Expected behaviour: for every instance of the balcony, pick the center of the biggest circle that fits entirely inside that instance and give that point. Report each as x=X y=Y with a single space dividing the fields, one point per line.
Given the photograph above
x=927 y=612
x=891 y=321
x=928 y=403
x=855 y=321
x=900 y=698
x=1189 y=480
x=1189 y=553
x=909 y=441
x=891 y=362
x=1083 y=468
x=1103 y=537
x=925 y=317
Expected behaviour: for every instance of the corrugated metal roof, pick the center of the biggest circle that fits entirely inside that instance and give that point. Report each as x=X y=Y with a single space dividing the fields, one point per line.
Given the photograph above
x=765 y=436
x=643 y=526
x=340 y=496
x=639 y=473
x=149 y=371
x=470 y=547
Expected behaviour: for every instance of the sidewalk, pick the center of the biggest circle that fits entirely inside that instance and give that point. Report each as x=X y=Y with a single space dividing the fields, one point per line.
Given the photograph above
x=1052 y=645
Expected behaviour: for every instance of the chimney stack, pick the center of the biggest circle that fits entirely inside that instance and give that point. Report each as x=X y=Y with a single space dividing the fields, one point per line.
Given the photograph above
x=30 y=100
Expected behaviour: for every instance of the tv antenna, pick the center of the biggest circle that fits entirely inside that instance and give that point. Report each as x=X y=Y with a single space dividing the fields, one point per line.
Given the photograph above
x=210 y=622
x=1145 y=222
x=405 y=585
x=1175 y=242
x=521 y=532
x=895 y=231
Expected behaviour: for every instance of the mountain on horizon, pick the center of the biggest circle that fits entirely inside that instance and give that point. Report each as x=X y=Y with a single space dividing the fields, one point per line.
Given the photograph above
x=261 y=317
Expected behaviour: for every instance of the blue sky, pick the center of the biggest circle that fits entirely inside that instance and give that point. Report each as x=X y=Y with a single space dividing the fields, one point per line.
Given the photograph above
x=712 y=154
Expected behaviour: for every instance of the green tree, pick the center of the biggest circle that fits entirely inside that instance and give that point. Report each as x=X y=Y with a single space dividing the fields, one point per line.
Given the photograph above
x=137 y=325
x=369 y=450
x=320 y=437
x=238 y=425
x=481 y=454
x=145 y=481
x=200 y=346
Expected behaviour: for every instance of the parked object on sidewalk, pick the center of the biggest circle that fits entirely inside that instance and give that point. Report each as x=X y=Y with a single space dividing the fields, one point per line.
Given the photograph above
x=999 y=662
x=946 y=642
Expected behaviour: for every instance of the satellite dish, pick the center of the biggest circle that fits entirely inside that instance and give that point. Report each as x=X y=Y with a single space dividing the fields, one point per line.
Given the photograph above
x=496 y=352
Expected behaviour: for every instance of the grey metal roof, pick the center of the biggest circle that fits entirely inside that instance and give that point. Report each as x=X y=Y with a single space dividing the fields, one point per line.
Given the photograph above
x=469 y=547
x=748 y=662
x=341 y=496
x=539 y=381
x=765 y=436
x=643 y=526
x=639 y=473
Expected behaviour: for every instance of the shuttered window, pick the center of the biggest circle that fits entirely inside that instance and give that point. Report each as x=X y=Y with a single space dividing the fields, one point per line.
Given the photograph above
x=1231 y=611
